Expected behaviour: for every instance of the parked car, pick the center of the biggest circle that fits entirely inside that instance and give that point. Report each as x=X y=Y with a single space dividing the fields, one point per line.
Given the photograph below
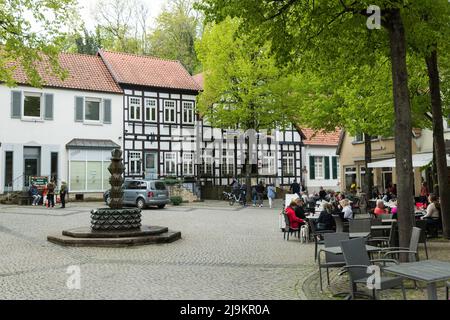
x=143 y=193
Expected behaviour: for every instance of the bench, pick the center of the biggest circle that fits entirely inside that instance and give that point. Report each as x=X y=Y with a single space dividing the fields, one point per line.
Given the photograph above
x=25 y=200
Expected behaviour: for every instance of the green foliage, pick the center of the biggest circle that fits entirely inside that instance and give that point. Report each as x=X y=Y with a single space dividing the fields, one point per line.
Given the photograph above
x=171 y=181
x=31 y=31
x=243 y=87
x=176 y=200
x=177 y=29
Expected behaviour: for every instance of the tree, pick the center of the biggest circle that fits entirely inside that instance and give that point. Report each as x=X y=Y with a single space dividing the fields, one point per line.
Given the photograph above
x=293 y=25
x=31 y=31
x=431 y=26
x=242 y=84
x=122 y=24
x=177 y=30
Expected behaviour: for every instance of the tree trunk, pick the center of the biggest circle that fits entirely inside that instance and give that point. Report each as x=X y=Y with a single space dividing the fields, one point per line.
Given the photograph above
x=368 y=159
x=403 y=128
x=438 y=140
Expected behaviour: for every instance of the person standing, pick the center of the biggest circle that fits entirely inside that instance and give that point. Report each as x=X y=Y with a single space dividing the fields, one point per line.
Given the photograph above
x=295 y=188
x=62 y=194
x=271 y=194
x=254 y=195
x=322 y=194
x=424 y=193
x=51 y=194
x=235 y=187
x=260 y=192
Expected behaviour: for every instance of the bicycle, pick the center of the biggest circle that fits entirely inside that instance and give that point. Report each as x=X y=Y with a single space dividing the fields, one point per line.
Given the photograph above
x=232 y=199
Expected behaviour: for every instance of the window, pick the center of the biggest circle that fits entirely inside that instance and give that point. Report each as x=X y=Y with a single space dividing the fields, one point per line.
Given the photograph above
x=170 y=163
x=207 y=163
x=288 y=164
x=135 y=163
x=319 y=167
x=350 y=177
x=227 y=163
x=169 y=111
x=359 y=137
x=188 y=164
x=150 y=110
x=188 y=112
x=268 y=163
x=32 y=105
x=8 y=169
x=134 y=109
x=92 y=110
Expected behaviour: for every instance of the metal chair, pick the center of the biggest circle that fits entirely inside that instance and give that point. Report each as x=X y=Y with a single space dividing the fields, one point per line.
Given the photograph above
x=413 y=254
x=386 y=242
x=447 y=290
x=331 y=260
x=288 y=228
x=317 y=235
x=340 y=226
x=423 y=235
x=359 y=225
x=357 y=261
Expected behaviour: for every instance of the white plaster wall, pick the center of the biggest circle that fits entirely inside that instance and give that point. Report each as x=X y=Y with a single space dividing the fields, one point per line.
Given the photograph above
x=52 y=135
x=314 y=185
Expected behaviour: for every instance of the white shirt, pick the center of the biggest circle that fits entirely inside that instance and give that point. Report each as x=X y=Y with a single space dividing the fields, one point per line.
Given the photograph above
x=348 y=213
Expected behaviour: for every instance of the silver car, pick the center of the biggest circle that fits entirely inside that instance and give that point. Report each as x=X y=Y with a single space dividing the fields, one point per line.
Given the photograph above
x=143 y=193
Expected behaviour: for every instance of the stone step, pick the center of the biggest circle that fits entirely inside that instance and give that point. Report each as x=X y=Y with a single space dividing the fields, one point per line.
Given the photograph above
x=167 y=237
x=86 y=232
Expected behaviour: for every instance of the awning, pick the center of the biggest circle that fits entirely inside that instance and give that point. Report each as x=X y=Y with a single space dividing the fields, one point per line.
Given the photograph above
x=92 y=144
x=419 y=160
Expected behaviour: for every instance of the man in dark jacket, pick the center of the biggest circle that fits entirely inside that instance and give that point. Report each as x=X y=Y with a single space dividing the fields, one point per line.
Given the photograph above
x=299 y=209
x=295 y=188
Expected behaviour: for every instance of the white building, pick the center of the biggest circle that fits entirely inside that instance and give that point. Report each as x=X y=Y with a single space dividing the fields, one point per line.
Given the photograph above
x=65 y=130
x=321 y=164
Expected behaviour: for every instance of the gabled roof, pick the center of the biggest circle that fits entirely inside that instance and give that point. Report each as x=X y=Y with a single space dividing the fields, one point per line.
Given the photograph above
x=148 y=71
x=321 y=138
x=85 y=72
x=199 y=79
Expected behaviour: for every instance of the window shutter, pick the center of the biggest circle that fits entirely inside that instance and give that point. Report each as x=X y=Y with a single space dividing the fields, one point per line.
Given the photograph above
x=327 y=168
x=79 y=109
x=335 y=169
x=107 y=111
x=48 y=112
x=16 y=104
x=312 y=168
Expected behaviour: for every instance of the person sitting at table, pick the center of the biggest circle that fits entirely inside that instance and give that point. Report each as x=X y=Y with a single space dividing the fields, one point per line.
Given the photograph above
x=394 y=210
x=294 y=221
x=326 y=221
x=347 y=213
x=433 y=214
x=380 y=208
x=34 y=192
x=299 y=209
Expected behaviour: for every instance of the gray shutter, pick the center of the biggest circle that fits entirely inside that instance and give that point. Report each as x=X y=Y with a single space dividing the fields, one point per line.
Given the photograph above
x=79 y=109
x=107 y=111
x=48 y=112
x=16 y=104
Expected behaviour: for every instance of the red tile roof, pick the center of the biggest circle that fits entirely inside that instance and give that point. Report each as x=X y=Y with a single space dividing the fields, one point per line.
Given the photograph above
x=321 y=138
x=148 y=71
x=199 y=79
x=85 y=72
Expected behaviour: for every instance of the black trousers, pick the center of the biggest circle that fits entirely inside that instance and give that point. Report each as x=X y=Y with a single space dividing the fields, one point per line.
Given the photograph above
x=63 y=199
x=51 y=200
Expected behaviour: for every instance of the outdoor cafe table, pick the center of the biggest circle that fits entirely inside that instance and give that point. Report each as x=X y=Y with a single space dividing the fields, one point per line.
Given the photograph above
x=429 y=271
x=353 y=235
x=381 y=227
x=338 y=250
x=388 y=221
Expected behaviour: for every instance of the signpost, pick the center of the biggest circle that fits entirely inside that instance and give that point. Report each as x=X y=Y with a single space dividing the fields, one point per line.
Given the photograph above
x=40 y=182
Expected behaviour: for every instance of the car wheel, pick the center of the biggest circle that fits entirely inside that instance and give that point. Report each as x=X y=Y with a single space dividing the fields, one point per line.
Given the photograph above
x=161 y=206
x=140 y=203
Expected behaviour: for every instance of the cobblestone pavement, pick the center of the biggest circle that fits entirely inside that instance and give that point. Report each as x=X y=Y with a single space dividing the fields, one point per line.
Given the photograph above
x=225 y=253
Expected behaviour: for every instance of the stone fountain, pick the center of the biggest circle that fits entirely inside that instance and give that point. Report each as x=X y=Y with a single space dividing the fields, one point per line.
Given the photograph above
x=115 y=226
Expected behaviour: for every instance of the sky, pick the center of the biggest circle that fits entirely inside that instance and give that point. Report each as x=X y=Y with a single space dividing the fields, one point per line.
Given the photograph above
x=86 y=7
